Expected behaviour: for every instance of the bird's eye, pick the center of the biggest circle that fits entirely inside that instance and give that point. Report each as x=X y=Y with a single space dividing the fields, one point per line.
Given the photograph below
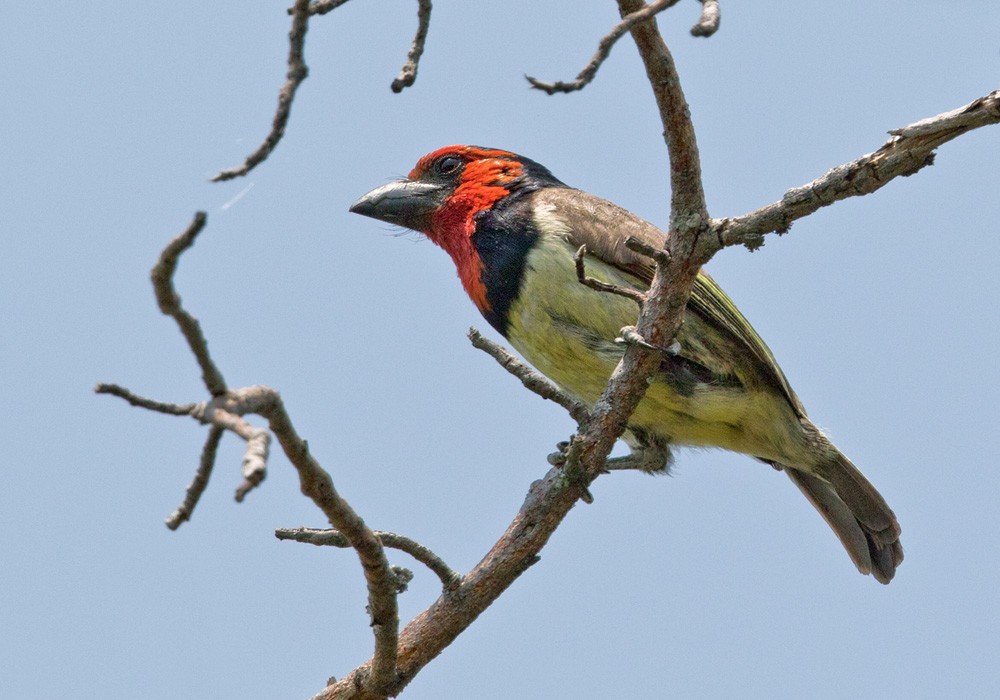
x=448 y=165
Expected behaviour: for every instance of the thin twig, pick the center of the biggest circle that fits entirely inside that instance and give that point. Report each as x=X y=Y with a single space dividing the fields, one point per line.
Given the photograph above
x=297 y=72
x=172 y=409
x=532 y=380
x=907 y=151
x=200 y=481
x=657 y=255
x=408 y=74
x=585 y=76
x=169 y=302
x=449 y=577
x=710 y=17
x=688 y=212
x=597 y=285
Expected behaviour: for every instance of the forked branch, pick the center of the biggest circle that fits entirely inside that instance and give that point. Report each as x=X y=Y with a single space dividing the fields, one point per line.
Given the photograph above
x=224 y=412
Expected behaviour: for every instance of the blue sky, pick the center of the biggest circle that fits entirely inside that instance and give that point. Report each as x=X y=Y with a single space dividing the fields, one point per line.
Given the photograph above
x=719 y=581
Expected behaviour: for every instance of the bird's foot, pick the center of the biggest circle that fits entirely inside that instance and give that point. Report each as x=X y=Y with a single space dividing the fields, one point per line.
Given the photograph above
x=630 y=336
x=650 y=453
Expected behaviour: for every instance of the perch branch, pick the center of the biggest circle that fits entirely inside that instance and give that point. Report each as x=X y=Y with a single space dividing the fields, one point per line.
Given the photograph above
x=449 y=577
x=408 y=74
x=297 y=72
x=585 y=76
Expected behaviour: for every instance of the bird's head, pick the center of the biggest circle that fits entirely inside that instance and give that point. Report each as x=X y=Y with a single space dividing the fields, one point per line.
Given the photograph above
x=447 y=188
x=455 y=196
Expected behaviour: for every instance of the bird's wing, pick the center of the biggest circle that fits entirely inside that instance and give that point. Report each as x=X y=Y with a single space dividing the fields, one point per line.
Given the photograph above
x=604 y=227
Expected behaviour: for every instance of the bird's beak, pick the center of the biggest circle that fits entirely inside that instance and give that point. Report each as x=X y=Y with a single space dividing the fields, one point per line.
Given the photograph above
x=408 y=203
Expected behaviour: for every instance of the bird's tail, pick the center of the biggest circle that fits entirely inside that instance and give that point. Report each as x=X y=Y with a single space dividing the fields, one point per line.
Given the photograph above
x=855 y=510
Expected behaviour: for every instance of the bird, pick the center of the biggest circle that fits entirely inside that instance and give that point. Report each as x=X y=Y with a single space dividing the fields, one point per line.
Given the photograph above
x=513 y=230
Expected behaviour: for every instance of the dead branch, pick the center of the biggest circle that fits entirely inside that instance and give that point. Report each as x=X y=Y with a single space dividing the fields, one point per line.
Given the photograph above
x=408 y=74
x=533 y=381
x=169 y=302
x=908 y=150
x=225 y=411
x=599 y=286
x=200 y=481
x=332 y=538
x=297 y=72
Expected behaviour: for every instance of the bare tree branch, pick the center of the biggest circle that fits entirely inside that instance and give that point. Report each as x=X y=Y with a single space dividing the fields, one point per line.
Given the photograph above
x=449 y=578
x=907 y=151
x=316 y=483
x=172 y=409
x=200 y=481
x=586 y=75
x=297 y=72
x=408 y=74
x=225 y=411
x=532 y=380
x=169 y=302
x=710 y=17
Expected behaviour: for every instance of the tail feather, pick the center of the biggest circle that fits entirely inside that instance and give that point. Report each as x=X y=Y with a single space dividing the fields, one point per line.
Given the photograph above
x=856 y=512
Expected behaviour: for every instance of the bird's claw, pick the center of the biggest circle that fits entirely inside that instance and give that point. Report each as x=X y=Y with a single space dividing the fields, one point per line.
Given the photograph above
x=630 y=336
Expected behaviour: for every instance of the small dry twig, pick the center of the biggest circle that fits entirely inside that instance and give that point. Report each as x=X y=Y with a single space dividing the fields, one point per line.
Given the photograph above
x=449 y=577
x=710 y=17
x=171 y=409
x=297 y=72
x=200 y=481
x=408 y=74
x=532 y=380
x=597 y=285
x=585 y=76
